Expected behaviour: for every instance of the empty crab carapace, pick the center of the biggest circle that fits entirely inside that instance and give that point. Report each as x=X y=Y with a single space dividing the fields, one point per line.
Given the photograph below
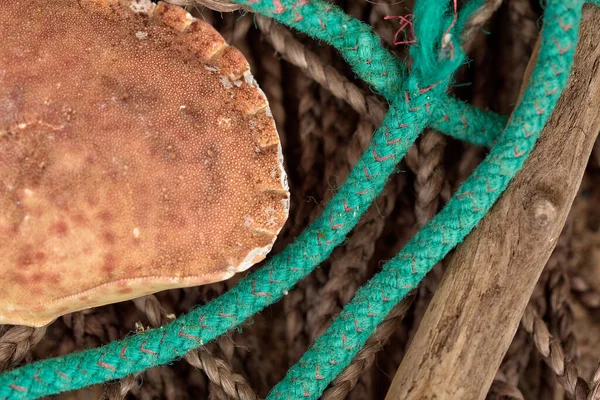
x=136 y=154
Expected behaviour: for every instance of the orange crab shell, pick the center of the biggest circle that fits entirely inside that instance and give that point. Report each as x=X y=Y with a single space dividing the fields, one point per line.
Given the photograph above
x=137 y=154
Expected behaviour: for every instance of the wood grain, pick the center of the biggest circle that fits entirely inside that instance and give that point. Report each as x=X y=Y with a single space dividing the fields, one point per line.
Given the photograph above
x=475 y=313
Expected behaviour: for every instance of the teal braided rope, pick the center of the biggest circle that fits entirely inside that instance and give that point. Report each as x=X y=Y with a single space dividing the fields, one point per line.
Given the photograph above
x=353 y=38
x=375 y=65
x=268 y=284
x=334 y=350
x=161 y=345
x=464 y=122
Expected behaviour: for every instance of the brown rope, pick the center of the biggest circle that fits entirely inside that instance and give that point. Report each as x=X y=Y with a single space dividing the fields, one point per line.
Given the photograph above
x=299 y=55
x=271 y=82
x=585 y=293
x=216 y=5
x=349 y=269
x=311 y=141
x=520 y=32
x=503 y=390
x=341 y=87
x=120 y=390
x=514 y=363
x=340 y=129
x=595 y=386
x=430 y=180
x=559 y=291
x=553 y=354
x=430 y=176
x=16 y=344
x=478 y=21
x=233 y=385
x=217 y=370
x=225 y=384
x=555 y=279
x=265 y=362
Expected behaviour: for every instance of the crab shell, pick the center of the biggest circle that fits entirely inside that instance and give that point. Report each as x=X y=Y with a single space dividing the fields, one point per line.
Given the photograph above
x=137 y=154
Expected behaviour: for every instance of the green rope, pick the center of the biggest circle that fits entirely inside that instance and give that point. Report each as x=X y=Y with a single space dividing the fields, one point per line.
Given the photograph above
x=334 y=350
x=462 y=121
x=380 y=69
x=266 y=285
x=401 y=126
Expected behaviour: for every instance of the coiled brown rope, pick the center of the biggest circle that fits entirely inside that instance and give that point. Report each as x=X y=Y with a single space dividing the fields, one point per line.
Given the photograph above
x=233 y=385
x=296 y=53
x=554 y=355
x=217 y=370
x=595 y=386
x=16 y=344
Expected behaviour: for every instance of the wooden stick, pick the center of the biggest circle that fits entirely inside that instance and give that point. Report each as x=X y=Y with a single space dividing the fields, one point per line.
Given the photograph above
x=476 y=310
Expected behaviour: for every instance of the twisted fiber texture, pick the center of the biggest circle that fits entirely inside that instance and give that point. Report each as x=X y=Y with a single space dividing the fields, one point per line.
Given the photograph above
x=349 y=270
x=160 y=345
x=501 y=390
x=335 y=129
x=229 y=385
x=16 y=344
x=559 y=289
x=358 y=44
x=554 y=355
x=345 y=382
x=271 y=82
x=311 y=140
x=512 y=367
x=294 y=308
x=269 y=283
x=429 y=182
x=358 y=143
x=561 y=354
x=91 y=328
x=456 y=118
x=338 y=128
x=223 y=379
x=374 y=300
x=595 y=386
x=120 y=390
x=219 y=373
x=480 y=18
x=331 y=288
x=430 y=176
x=348 y=267
x=387 y=29
x=585 y=293
x=521 y=32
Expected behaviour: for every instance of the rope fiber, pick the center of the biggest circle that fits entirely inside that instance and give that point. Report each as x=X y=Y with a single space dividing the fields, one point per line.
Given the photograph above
x=416 y=98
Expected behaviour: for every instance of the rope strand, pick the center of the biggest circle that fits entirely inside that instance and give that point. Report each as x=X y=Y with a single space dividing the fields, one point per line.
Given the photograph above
x=416 y=98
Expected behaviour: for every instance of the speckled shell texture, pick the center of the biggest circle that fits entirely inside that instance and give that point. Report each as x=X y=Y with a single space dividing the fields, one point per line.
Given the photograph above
x=137 y=154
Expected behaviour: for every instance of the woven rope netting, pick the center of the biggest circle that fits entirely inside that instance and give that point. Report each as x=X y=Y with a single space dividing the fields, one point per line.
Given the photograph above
x=343 y=145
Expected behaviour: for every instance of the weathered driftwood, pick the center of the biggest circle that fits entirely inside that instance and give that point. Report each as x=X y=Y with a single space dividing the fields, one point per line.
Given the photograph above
x=477 y=308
